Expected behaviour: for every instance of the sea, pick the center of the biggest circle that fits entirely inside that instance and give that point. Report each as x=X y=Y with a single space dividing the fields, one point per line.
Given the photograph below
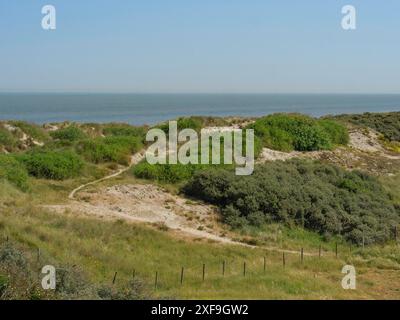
x=139 y=109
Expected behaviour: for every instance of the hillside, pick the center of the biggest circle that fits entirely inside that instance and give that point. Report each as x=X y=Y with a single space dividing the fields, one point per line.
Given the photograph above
x=333 y=193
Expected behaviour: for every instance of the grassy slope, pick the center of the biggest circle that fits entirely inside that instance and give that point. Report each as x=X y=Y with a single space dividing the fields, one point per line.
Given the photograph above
x=101 y=248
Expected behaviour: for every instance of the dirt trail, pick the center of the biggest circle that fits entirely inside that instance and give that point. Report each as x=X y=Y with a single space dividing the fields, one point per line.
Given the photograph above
x=150 y=204
x=136 y=158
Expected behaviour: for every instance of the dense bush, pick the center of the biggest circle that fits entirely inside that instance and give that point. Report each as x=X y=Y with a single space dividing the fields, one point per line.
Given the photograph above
x=287 y=132
x=13 y=171
x=110 y=149
x=319 y=197
x=70 y=133
x=388 y=124
x=57 y=165
x=169 y=173
x=124 y=130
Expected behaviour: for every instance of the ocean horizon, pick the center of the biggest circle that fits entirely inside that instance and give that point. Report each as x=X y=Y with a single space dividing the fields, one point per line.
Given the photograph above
x=146 y=108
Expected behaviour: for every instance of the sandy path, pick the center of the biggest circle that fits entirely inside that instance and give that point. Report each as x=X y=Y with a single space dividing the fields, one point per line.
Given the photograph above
x=136 y=158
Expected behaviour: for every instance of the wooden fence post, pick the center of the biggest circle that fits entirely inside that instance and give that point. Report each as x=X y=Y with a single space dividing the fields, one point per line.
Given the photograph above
x=302 y=255
x=115 y=277
x=265 y=264
x=204 y=271
x=283 y=259
x=156 y=280
x=182 y=270
x=336 y=250
x=133 y=274
x=244 y=269
x=223 y=268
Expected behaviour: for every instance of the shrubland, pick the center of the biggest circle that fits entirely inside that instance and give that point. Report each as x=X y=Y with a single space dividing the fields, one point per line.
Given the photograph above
x=287 y=132
x=388 y=124
x=318 y=197
x=56 y=165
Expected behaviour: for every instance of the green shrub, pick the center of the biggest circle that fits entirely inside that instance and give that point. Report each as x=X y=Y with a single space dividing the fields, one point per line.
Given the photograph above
x=287 y=132
x=169 y=173
x=319 y=197
x=337 y=133
x=388 y=124
x=124 y=130
x=56 y=165
x=70 y=133
x=116 y=149
x=14 y=172
x=195 y=122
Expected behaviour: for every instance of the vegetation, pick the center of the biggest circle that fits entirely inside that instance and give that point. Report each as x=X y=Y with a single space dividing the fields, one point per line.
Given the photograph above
x=71 y=283
x=70 y=133
x=195 y=122
x=7 y=140
x=110 y=149
x=32 y=130
x=124 y=130
x=14 y=172
x=56 y=165
x=318 y=197
x=388 y=124
x=287 y=132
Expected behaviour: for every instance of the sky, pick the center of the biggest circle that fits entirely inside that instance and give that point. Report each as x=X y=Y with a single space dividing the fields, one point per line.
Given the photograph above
x=193 y=46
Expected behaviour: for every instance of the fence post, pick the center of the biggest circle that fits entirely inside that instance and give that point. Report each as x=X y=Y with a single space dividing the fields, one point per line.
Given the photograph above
x=265 y=264
x=336 y=250
x=182 y=270
x=283 y=259
x=204 y=271
x=302 y=255
x=156 y=280
x=115 y=277
x=223 y=268
x=133 y=274
x=244 y=269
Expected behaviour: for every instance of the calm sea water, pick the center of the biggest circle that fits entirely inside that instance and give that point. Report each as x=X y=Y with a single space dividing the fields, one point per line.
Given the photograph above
x=153 y=108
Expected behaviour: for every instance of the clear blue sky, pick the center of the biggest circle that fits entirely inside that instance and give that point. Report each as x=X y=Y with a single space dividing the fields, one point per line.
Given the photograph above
x=200 y=46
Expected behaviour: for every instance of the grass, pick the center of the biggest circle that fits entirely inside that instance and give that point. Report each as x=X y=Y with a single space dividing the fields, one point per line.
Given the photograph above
x=101 y=248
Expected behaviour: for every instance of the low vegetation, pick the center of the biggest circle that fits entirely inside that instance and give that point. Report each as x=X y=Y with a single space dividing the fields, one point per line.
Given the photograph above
x=56 y=165
x=287 y=132
x=318 y=197
x=14 y=172
x=388 y=124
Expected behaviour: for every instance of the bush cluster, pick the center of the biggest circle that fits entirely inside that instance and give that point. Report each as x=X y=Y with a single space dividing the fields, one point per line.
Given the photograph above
x=319 y=197
x=109 y=149
x=13 y=171
x=388 y=124
x=70 y=133
x=169 y=173
x=48 y=164
x=287 y=132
